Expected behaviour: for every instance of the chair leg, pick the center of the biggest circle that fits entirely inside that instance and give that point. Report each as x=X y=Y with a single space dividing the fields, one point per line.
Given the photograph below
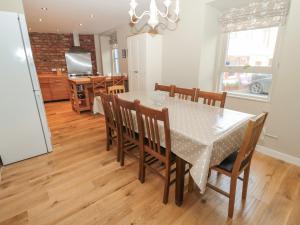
x=167 y=185
x=142 y=167
x=108 y=137
x=232 y=196
x=118 y=148
x=140 y=164
x=122 y=155
x=209 y=173
x=245 y=182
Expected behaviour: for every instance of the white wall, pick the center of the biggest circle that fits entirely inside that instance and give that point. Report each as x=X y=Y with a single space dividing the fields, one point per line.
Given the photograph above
x=181 y=48
x=12 y=6
x=106 y=55
x=122 y=33
x=209 y=43
x=98 y=53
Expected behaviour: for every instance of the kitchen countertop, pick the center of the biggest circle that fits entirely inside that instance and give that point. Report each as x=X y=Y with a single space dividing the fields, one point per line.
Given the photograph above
x=87 y=80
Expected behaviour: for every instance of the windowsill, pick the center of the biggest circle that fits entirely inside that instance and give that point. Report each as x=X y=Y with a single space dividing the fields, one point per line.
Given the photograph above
x=249 y=97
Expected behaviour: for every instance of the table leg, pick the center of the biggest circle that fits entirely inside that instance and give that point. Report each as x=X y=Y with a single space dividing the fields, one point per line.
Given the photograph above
x=180 y=171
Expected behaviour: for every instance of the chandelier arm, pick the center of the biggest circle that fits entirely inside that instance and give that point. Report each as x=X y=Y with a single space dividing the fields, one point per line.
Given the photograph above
x=172 y=21
x=166 y=13
x=142 y=15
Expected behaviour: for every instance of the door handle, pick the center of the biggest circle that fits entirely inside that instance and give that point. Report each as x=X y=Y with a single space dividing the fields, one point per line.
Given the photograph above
x=135 y=71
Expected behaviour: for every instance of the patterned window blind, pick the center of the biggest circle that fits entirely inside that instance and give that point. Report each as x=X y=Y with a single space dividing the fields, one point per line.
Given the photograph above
x=260 y=14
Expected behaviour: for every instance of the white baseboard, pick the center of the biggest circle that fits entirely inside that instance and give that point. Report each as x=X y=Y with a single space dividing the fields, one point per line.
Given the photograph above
x=278 y=155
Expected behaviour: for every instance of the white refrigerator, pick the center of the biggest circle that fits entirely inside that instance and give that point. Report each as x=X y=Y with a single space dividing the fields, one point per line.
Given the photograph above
x=24 y=131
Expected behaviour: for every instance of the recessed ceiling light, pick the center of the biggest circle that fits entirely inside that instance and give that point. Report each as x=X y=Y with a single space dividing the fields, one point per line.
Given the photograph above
x=40 y=19
x=92 y=15
x=44 y=8
x=80 y=24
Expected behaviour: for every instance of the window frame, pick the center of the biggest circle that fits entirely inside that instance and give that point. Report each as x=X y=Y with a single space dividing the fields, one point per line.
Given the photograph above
x=221 y=67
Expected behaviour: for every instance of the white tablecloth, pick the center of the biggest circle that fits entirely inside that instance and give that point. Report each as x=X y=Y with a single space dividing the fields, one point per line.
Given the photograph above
x=200 y=134
x=97 y=106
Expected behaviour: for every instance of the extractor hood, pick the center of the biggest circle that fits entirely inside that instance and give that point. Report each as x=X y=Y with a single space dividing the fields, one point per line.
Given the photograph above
x=76 y=44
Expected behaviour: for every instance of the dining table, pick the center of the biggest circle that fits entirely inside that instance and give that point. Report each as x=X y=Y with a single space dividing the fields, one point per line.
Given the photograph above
x=201 y=135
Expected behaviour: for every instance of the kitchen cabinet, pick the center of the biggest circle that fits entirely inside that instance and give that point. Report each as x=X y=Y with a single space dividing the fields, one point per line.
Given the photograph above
x=45 y=88
x=54 y=88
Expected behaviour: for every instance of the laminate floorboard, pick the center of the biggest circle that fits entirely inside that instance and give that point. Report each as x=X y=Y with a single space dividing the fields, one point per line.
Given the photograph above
x=81 y=183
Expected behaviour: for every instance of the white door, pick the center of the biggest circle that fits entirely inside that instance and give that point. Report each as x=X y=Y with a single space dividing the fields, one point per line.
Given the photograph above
x=137 y=62
x=131 y=44
x=21 y=133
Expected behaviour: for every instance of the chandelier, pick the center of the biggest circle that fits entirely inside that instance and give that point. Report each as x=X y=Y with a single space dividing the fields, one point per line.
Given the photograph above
x=154 y=13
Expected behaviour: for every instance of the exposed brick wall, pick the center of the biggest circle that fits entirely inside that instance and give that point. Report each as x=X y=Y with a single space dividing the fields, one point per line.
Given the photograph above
x=49 y=50
x=87 y=42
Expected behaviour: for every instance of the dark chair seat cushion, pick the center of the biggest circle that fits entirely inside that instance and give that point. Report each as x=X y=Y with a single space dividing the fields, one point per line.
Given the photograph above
x=228 y=163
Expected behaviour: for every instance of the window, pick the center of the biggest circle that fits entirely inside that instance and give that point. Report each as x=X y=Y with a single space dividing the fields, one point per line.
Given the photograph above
x=116 y=65
x=247 y=65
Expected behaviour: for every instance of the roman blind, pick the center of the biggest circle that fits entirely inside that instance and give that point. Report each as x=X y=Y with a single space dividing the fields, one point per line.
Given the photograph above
x=259 y=14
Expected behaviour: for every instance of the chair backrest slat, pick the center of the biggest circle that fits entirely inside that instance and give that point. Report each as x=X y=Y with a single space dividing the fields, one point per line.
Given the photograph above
x=211 y=98
x=251 y=138
x=156 y=131
x=125 y=112
x=148 y=126
x=118 y=89
x=109 y=110
x=184 y=93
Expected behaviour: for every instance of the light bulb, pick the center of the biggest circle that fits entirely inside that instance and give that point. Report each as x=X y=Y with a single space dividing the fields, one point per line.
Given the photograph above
x=133 y=4
x=177 y=8
x=153 y=20
x=167 y=3
x=130 y=12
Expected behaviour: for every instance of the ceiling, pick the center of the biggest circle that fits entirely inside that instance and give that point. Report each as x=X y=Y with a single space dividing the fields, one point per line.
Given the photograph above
x=65 y=16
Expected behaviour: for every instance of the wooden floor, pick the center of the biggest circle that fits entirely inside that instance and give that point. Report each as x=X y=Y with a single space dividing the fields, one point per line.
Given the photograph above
x=81 y=183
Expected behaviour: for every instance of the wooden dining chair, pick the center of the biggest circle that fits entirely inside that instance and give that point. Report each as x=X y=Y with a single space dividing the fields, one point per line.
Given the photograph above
x=240 y=161
x=118 y=80
x=126 y=113
x=210 y=98
x=170 y=89
x=116 y=89
x=184 y=93
x=111 y=123
x=99 y=85
x=152 y=154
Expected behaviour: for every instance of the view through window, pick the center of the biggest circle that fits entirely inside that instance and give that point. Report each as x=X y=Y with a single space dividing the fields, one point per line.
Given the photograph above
x=248 y=63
